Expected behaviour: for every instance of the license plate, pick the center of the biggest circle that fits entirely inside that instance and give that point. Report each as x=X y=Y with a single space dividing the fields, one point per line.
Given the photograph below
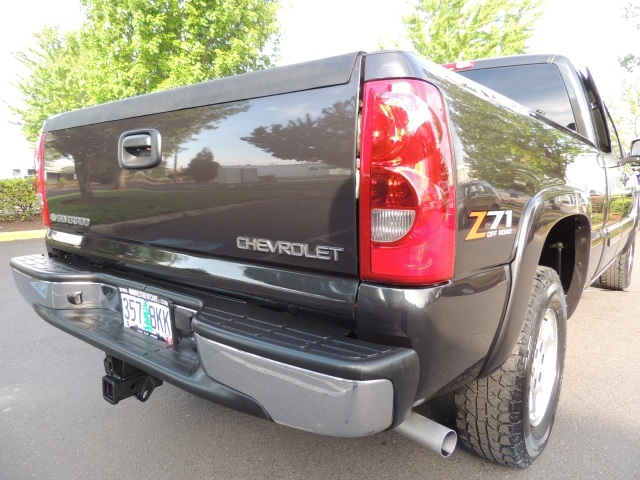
x=147 y=313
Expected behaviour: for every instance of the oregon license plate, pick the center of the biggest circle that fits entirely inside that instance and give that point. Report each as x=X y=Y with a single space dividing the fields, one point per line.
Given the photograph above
x=147 y=313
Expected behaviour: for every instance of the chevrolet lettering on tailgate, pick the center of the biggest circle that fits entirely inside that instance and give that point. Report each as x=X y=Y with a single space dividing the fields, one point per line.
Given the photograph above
x=281 y=247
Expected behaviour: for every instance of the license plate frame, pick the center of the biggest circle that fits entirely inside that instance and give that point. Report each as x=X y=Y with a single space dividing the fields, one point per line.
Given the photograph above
x=147 y=313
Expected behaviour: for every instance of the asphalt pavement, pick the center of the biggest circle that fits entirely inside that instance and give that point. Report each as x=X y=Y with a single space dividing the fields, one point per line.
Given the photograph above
x=54 y=423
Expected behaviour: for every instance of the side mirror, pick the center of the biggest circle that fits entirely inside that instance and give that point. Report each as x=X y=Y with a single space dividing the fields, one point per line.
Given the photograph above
x=634 y=154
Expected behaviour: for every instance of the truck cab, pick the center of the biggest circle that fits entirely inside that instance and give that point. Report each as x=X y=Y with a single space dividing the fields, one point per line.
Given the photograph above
x=555 y=91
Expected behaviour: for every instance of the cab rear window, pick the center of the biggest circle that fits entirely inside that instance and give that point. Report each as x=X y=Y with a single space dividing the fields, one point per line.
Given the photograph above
x=538 y=87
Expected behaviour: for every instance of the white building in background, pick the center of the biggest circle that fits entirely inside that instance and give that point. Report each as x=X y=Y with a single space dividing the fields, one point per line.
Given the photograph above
x=251 y=174
x=237 y=174
x=17 y=152
x=17 y=169
x=295 y=170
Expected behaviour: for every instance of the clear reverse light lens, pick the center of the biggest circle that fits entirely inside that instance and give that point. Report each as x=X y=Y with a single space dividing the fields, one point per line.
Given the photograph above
x=390 y=225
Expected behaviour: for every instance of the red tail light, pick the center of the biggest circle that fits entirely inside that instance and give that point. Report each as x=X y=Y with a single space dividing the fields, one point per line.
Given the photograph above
x=407 y=204
x=40 y=183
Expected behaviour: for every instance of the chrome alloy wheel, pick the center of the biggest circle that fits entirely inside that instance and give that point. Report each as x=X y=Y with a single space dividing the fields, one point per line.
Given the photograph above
x=544 y=368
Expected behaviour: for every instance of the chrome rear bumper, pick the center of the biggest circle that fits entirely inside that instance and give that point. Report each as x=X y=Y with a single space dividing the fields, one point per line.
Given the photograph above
x=302 y=398
x=239 y=355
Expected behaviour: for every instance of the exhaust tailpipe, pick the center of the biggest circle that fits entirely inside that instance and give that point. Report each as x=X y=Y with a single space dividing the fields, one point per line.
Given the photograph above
x=428 y=433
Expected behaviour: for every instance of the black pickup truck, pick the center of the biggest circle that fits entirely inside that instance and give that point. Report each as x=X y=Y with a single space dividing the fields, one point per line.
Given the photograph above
x=329 y=245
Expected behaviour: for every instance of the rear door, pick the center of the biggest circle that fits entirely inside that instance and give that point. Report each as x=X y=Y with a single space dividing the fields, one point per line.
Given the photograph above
x=619 y=196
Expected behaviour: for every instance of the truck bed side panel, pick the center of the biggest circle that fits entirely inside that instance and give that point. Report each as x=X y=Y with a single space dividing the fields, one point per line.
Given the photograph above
x=498 y=172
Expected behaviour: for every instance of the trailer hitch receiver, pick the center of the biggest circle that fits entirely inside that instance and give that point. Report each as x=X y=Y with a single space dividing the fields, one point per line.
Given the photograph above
x=124 y=380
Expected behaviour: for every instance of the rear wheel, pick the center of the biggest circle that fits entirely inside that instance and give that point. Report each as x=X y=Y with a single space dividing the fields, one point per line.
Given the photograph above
x=507 y=416
x=618 y=275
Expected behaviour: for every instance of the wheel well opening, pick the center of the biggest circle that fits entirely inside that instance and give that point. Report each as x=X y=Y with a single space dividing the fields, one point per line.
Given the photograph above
x=566 y=250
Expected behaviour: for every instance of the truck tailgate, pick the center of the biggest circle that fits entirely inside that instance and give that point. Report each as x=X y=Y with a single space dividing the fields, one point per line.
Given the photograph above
x=257 y=168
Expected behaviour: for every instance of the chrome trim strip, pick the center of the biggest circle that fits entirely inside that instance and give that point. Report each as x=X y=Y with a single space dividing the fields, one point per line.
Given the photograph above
x=321 y=291
x=67 y=238
x=302 y=398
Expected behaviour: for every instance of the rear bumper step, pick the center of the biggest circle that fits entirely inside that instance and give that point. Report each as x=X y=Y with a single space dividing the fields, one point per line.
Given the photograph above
x=298 y=371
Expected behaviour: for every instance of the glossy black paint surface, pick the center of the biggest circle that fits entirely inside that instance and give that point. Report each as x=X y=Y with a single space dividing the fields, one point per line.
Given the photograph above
x=511 y=157
x=292 y=78
x=277 y=171
x=450 y=327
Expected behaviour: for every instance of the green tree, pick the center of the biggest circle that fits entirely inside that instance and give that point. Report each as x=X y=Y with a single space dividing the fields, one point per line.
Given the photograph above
x=453 y=30
x=53 y=84
x=203 y=167
x=628 y=109
x=626 y=112
x=309 y=139
x=131 y=47
x=631 y=13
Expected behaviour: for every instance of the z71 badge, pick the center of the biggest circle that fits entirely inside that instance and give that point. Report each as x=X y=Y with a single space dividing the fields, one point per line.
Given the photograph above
x=497 y=216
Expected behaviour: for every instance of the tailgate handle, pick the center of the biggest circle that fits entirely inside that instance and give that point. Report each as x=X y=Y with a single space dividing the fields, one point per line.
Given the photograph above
x=140 y=149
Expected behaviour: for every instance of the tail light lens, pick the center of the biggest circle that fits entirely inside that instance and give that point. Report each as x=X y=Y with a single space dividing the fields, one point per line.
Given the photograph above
x=407 y=204
x=40 y=184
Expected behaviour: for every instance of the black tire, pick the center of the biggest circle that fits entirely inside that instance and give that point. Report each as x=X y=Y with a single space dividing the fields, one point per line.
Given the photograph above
x=507 y=417
x=618 y=275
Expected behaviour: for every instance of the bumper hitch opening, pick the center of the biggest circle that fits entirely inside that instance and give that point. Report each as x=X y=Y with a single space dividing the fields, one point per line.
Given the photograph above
x=123 y=380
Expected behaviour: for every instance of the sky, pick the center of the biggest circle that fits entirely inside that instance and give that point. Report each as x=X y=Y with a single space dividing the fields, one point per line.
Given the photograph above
x=590 y=33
